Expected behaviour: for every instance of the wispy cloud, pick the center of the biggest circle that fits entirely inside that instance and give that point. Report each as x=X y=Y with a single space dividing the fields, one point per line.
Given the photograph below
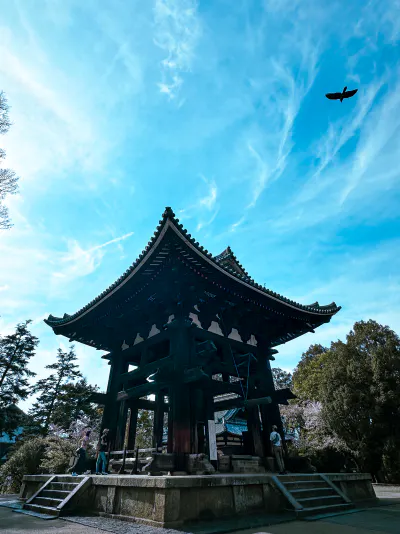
x=382 y=127
x=283 y=93
x=250 y=149
x=79 y=262
x=261 y=179
x=177 y=30
x=335 y=139
x=210 y=199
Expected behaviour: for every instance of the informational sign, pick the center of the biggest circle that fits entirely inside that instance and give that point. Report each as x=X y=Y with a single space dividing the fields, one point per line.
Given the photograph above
x=212 y=439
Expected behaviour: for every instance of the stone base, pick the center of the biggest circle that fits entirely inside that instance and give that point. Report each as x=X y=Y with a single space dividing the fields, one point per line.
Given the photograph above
x=199 y=464
x=247 y=464
x=171 y=501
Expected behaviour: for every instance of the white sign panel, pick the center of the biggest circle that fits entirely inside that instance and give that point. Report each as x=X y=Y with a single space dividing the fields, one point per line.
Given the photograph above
x=212 y=440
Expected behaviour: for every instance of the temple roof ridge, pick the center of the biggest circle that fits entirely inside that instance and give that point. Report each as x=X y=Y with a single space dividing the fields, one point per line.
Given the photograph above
x=226 y=261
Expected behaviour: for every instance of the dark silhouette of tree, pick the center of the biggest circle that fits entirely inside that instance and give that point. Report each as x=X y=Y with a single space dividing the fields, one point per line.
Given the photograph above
x=53 y=389
x=8 y=179
x=15 y=352
x=73 y=404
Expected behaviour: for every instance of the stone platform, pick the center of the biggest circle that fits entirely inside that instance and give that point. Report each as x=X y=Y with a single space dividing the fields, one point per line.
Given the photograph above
x=171 y=501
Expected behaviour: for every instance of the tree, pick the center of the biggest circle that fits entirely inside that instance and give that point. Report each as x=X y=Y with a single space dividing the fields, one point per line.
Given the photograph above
x=15 y=352
x=307 y=377
x=74 y=404
x=144 y=429
x=282 y=379
x=52 y=390
x=25 y=459
x=8 y=179
x=361 y=395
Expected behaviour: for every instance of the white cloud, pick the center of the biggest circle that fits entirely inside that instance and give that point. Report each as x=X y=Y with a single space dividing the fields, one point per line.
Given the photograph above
x=79 y=262
x=383 y=125
x=210 y=199
x=335 y=139
x=176 y=32
x=262 y=176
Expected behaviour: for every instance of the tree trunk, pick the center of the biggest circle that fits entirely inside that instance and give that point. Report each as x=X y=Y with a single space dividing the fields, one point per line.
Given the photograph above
x=8 y=366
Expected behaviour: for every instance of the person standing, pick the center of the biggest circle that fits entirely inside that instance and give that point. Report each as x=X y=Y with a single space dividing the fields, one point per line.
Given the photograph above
x=102 y=459
x=80 y=464
x=277 y=448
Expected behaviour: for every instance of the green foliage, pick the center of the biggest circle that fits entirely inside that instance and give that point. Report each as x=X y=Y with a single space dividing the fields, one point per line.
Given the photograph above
x=73 y=403
x=307 y=377
x=15 y=352
x=57 y=455
x=349 y=400
x=144 y=432
x=25 y=459
x=282 y=379
x=53 y=389
x=361 y=394
x=50 y=454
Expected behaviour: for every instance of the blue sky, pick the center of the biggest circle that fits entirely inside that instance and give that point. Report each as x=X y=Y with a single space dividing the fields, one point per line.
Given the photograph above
x=217 y=109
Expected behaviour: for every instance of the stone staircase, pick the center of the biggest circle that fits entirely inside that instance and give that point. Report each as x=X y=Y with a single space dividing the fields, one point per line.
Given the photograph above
x=312 y=495
x=56 y=495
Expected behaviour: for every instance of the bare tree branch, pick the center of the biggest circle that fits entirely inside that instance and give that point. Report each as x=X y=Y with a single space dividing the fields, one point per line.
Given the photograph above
x=8 y=179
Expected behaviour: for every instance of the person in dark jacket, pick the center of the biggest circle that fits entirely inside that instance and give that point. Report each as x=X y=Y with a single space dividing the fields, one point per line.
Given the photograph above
x=102 y=459
x=79 y=466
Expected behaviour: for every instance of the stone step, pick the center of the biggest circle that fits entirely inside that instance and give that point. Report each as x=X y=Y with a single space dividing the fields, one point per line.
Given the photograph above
x=66 y=486
x=323 y=510
x=247 y=470
x=303 y=493
x=69 y=478
x=303 y=484
x=46 y=501
x=54 y=494
x=326 y=500
x=317 y=517
x=298 y=478
x=47 y=510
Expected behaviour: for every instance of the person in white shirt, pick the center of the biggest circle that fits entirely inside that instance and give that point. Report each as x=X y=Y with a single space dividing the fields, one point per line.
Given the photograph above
x=277 y=448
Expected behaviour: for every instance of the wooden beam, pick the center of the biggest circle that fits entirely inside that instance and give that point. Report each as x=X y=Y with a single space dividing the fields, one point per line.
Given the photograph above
x=146 y=370
x=219 y=388
x=240 y=403
x=140 y=391
x=223 y=340
x=134 y=351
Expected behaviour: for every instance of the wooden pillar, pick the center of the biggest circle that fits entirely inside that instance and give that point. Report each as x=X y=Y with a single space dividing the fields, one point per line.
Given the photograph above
x=198 y=421
x=132 y=425
x=209 y=416
x=170 y=442
x=182 y=349
x=201 y=437
x=111 y=409
x=254 y=429
x=181 y=419
x=270 y=414
x=158 y=420
x=121 y=426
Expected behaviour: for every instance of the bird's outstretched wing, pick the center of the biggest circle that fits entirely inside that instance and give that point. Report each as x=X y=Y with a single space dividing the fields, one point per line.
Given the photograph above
x=348 y=94
x=333 y=96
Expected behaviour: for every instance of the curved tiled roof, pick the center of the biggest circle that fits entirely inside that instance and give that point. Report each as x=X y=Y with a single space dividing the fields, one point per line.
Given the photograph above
x=168 y=214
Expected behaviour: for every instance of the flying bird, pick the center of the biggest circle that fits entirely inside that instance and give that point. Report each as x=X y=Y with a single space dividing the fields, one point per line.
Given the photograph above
x=341 y=96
